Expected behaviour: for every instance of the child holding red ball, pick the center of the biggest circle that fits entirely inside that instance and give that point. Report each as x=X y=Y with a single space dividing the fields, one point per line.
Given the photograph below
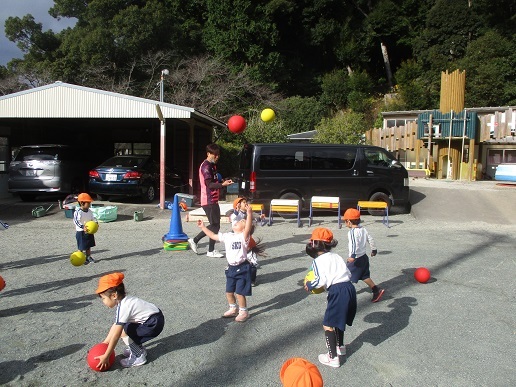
x=136 y=322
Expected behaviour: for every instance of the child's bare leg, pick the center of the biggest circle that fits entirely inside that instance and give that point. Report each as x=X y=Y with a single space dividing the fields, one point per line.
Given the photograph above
x=369 y=282
x=242 y=302
x=231 y=298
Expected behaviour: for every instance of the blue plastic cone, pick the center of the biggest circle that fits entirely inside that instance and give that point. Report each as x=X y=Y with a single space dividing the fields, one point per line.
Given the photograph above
x=176 y=227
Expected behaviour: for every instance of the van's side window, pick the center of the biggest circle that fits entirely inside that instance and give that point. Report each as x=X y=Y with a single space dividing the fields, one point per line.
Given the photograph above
x=284 y=159
x=377 y=158
x=333 y=159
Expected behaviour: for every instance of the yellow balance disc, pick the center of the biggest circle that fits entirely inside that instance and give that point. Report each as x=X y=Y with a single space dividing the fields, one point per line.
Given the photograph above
x=78 y=258
x=310 y=276
x=91 y=227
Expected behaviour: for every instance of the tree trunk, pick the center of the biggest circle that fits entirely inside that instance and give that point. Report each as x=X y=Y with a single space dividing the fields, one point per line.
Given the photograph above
x=387 y=63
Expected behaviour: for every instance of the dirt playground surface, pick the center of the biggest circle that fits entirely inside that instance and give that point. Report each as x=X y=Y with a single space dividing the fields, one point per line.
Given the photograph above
x=456 y=330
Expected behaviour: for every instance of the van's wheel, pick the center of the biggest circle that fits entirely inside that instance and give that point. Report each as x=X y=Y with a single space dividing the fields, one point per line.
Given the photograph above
x=379 y=197
x=289 y=196
x=150 y=194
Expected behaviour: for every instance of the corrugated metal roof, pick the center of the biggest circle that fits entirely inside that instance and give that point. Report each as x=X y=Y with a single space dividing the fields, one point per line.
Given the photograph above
x=64 y=100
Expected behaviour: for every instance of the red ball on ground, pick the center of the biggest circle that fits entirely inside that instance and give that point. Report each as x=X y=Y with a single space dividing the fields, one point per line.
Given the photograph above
x=422 y=275
x=2 y=283
x=237 y=124
x=98 y=350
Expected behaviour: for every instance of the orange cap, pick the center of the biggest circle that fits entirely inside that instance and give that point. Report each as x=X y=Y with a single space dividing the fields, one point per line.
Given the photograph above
x=236 y=201
x=322 y=234
x=84 y=197
x=351 y=214
x=298 y=372
x=109 y=281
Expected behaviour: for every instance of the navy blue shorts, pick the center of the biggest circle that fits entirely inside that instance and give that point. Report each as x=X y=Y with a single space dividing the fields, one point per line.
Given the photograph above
x=359 y=269
x=140 y=333
x=238 y=279
x=84 y=241
x=342 y=305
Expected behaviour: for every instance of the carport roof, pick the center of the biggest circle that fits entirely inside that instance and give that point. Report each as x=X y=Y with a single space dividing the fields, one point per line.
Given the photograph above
x=64 y=100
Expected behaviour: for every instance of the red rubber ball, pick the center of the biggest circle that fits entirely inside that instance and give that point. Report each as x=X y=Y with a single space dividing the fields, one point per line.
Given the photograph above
x=98 y=350
x=237 y=124
x=422 y=275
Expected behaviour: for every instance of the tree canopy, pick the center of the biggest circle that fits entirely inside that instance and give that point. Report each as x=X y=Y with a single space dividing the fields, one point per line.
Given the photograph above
x=310 y=60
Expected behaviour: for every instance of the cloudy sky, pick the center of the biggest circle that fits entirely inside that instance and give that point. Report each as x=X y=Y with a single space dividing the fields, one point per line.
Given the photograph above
x=39 y=10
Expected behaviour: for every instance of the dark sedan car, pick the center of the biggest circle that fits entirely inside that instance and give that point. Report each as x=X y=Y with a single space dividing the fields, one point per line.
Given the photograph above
x=136 y=175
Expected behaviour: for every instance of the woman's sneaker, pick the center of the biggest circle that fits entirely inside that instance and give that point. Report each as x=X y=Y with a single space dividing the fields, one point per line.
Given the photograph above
x=341 y=351
x=214 y=254
x=325 y=359
x=193 y=245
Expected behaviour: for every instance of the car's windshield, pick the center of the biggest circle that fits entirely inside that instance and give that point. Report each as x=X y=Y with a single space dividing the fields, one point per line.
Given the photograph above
x=46 y=153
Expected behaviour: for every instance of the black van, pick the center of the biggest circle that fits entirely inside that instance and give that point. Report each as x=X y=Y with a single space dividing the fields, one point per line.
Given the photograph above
x=300 y=171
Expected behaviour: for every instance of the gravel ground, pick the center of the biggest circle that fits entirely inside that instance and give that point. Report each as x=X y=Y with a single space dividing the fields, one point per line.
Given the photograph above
x=456 y=330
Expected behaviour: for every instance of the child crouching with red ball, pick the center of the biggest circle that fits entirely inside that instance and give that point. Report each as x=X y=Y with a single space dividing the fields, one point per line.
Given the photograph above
x=330 y=271
x=136 y=321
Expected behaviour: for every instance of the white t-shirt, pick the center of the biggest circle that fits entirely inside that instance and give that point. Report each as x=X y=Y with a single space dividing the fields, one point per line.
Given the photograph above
x=329 y=269
x=134 y=310
x=358 y=237
x=236 y=247
x=80 y=218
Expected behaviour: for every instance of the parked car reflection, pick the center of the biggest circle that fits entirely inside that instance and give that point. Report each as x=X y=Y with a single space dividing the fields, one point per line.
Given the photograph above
x=136 y=175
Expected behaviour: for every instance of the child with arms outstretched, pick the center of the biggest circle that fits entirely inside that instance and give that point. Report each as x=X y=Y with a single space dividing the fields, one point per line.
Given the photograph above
x=238 y=272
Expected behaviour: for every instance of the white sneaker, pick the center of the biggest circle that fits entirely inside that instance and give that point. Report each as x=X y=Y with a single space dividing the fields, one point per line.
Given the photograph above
x=341 y=351
x=127 y=352
x=214 y=254
x=133 y=361
x=325 y=359
x=193 y=245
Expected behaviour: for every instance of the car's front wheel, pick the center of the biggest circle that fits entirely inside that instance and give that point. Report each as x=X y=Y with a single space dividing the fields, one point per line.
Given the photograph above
x=150 y=194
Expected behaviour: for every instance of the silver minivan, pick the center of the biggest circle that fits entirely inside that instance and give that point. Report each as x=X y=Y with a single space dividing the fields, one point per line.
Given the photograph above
x=43 y=169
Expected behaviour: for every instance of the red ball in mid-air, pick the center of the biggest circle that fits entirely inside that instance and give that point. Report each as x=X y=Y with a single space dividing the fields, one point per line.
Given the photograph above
x=98 y=350
x=422 y=275
x=237 y=124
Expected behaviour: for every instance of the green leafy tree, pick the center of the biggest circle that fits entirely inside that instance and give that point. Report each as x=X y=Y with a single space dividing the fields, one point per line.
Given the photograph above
x=490 y=65
x=346 y=127
x=300 y=114
x=450 y=26
x=415 y=88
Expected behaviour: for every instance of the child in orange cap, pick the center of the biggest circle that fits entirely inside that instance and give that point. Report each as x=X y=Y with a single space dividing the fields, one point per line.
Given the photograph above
x=81 y=216
x=238 y=271
x=330 y=271
x=298 y=372
x=255 y=249
x=358 y=261
x=136 y=321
